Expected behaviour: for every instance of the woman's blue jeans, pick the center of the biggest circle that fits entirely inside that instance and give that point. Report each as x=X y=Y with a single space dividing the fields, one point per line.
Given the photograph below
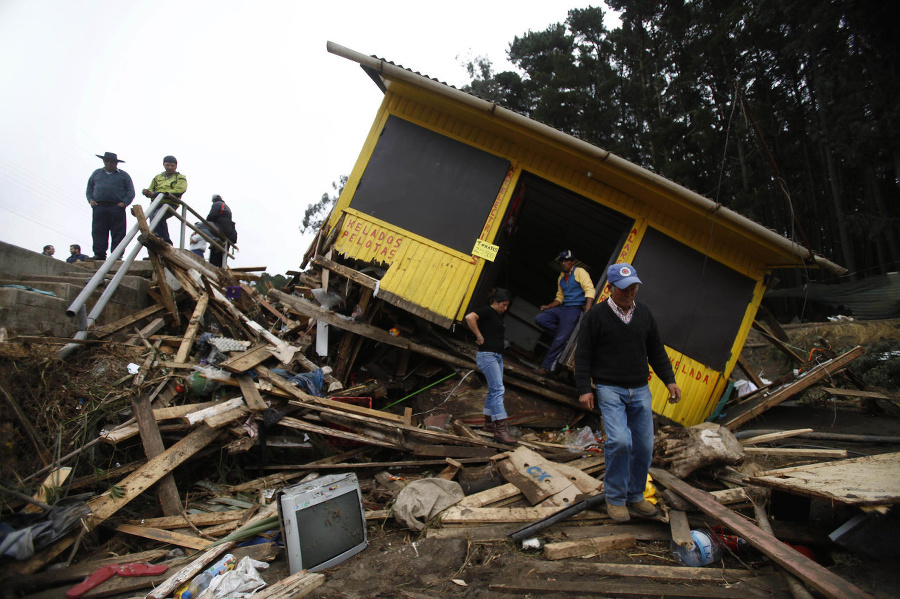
x=628 y=422
x=491 y=365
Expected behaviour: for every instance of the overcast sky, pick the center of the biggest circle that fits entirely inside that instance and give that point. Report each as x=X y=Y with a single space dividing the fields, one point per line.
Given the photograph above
x=243 y=94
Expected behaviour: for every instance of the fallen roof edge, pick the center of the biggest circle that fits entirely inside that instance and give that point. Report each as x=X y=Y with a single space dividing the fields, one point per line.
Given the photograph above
x=390 y=70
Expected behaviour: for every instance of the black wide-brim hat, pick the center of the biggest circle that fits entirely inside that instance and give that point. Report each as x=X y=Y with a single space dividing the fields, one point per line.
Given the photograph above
x=109 y=156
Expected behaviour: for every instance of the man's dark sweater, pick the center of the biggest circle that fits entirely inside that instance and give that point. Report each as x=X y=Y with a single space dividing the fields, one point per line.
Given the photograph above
x=614 y=353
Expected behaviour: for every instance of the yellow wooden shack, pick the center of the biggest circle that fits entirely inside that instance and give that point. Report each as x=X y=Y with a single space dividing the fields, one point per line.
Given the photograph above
x=453 y=196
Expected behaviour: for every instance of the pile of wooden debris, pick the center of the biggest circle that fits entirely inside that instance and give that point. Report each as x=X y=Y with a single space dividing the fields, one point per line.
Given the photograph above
x=232 y=379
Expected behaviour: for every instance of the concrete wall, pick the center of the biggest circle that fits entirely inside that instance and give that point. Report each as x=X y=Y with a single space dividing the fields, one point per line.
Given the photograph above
x=27 y=312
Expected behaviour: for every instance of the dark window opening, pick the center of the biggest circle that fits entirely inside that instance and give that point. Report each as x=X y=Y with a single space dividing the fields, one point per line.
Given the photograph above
x=430 y=184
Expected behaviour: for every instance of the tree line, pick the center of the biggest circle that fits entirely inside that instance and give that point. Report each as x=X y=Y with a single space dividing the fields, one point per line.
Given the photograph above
x=785 y=111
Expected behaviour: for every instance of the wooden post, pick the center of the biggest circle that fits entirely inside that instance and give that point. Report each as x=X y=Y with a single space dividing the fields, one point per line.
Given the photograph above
x=192 y=329
x=165 y=291
x=167 y=491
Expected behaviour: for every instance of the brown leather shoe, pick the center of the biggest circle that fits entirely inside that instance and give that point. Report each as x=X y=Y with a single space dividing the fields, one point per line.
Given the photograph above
x=643 y=508
x=501 y=433
x=488 y=425
x=619 y=513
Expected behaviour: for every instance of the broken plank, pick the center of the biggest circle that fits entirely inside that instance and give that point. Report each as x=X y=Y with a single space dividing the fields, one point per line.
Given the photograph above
x=588 y=546
x=165 y=536
x=669 y=573
x=53 y=480
x=221 y=407
x=815 y=575
x=798 y=452
x=155 y=325
x=297 y=585
x=253 y=399
x=246 y=360
x=769 y=437
x=620 y=588
x=486 y=515
x=452 y=451
x=168 y=296
x=324 y=430
x=205 y=519
x=106 y=505
x=348 y=273
x=220 y=420
x=749 y=410
x=113 y=327
x=869 y=480
x=193 y=326
x=167 y=490
x=681 y=529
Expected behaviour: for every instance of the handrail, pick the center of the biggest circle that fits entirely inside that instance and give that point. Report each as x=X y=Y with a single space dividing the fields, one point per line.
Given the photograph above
x=209 y=239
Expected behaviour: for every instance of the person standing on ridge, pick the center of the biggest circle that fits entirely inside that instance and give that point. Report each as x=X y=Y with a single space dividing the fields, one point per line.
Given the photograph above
x=171 y=183
x=109 y=191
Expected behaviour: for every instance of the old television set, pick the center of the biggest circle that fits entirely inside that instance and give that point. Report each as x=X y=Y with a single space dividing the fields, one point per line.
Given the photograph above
x=323 y=522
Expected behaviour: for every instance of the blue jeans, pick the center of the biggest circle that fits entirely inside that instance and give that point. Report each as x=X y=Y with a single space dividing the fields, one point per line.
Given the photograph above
x=491 y=365
x=559 y=322
x=628 y=421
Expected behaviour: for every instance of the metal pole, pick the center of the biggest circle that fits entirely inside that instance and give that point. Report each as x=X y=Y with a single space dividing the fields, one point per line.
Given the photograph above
x=95 y=312
x=101 y=273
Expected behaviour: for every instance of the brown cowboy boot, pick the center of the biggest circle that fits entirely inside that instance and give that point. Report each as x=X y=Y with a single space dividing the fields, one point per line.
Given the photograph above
x=488 y=425
x=501 y=433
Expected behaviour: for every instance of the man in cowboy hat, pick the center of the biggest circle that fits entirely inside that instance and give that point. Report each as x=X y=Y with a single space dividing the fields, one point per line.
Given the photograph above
x=171 y=183
x=109 y=190
x=617 y=340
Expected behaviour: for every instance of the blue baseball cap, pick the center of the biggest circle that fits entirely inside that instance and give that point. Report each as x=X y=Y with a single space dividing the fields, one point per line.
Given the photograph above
x=565 y=255
x=622 y=275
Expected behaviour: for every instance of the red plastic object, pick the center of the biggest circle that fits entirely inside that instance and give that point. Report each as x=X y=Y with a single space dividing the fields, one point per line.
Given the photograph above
x=106 y=572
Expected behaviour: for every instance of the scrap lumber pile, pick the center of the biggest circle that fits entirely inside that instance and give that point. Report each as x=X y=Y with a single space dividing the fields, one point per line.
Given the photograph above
x=260 y=391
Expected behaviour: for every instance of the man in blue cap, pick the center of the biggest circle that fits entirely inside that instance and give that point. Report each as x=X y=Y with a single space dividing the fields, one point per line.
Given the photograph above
x=574 y=297
x=109 y=190
x=171 y=183
x=617 y=340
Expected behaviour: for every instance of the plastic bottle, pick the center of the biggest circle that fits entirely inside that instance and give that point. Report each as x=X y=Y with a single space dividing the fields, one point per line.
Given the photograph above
x=192 y=589
x=706 y=550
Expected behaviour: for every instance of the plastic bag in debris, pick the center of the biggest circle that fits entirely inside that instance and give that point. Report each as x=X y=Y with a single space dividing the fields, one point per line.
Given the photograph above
x=423 y=499
x=310 y=382
x=241 y=582
x=210 y=380
x=21 y=535
x=579 y=440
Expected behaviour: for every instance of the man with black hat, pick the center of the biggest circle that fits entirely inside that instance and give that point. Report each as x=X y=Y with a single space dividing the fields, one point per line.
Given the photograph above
x=171 y=183
x=574 y=297
x=617 y=340
x=109 y=190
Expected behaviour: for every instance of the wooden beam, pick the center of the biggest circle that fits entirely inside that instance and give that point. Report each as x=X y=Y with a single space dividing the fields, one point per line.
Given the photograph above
x=818 y=577
x=168 y=297
x=167 y=491
x=194 y=325
x=113 y=327
x=581 y=547
x=165 y=536
x=749 y=410
x=137 y=482
x=769 y=437
x=347 y=273
x=797 y=452
x=252 y=398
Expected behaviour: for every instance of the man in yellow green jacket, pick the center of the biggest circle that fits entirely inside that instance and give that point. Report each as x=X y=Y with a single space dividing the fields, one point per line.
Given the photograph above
x=173 y=184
